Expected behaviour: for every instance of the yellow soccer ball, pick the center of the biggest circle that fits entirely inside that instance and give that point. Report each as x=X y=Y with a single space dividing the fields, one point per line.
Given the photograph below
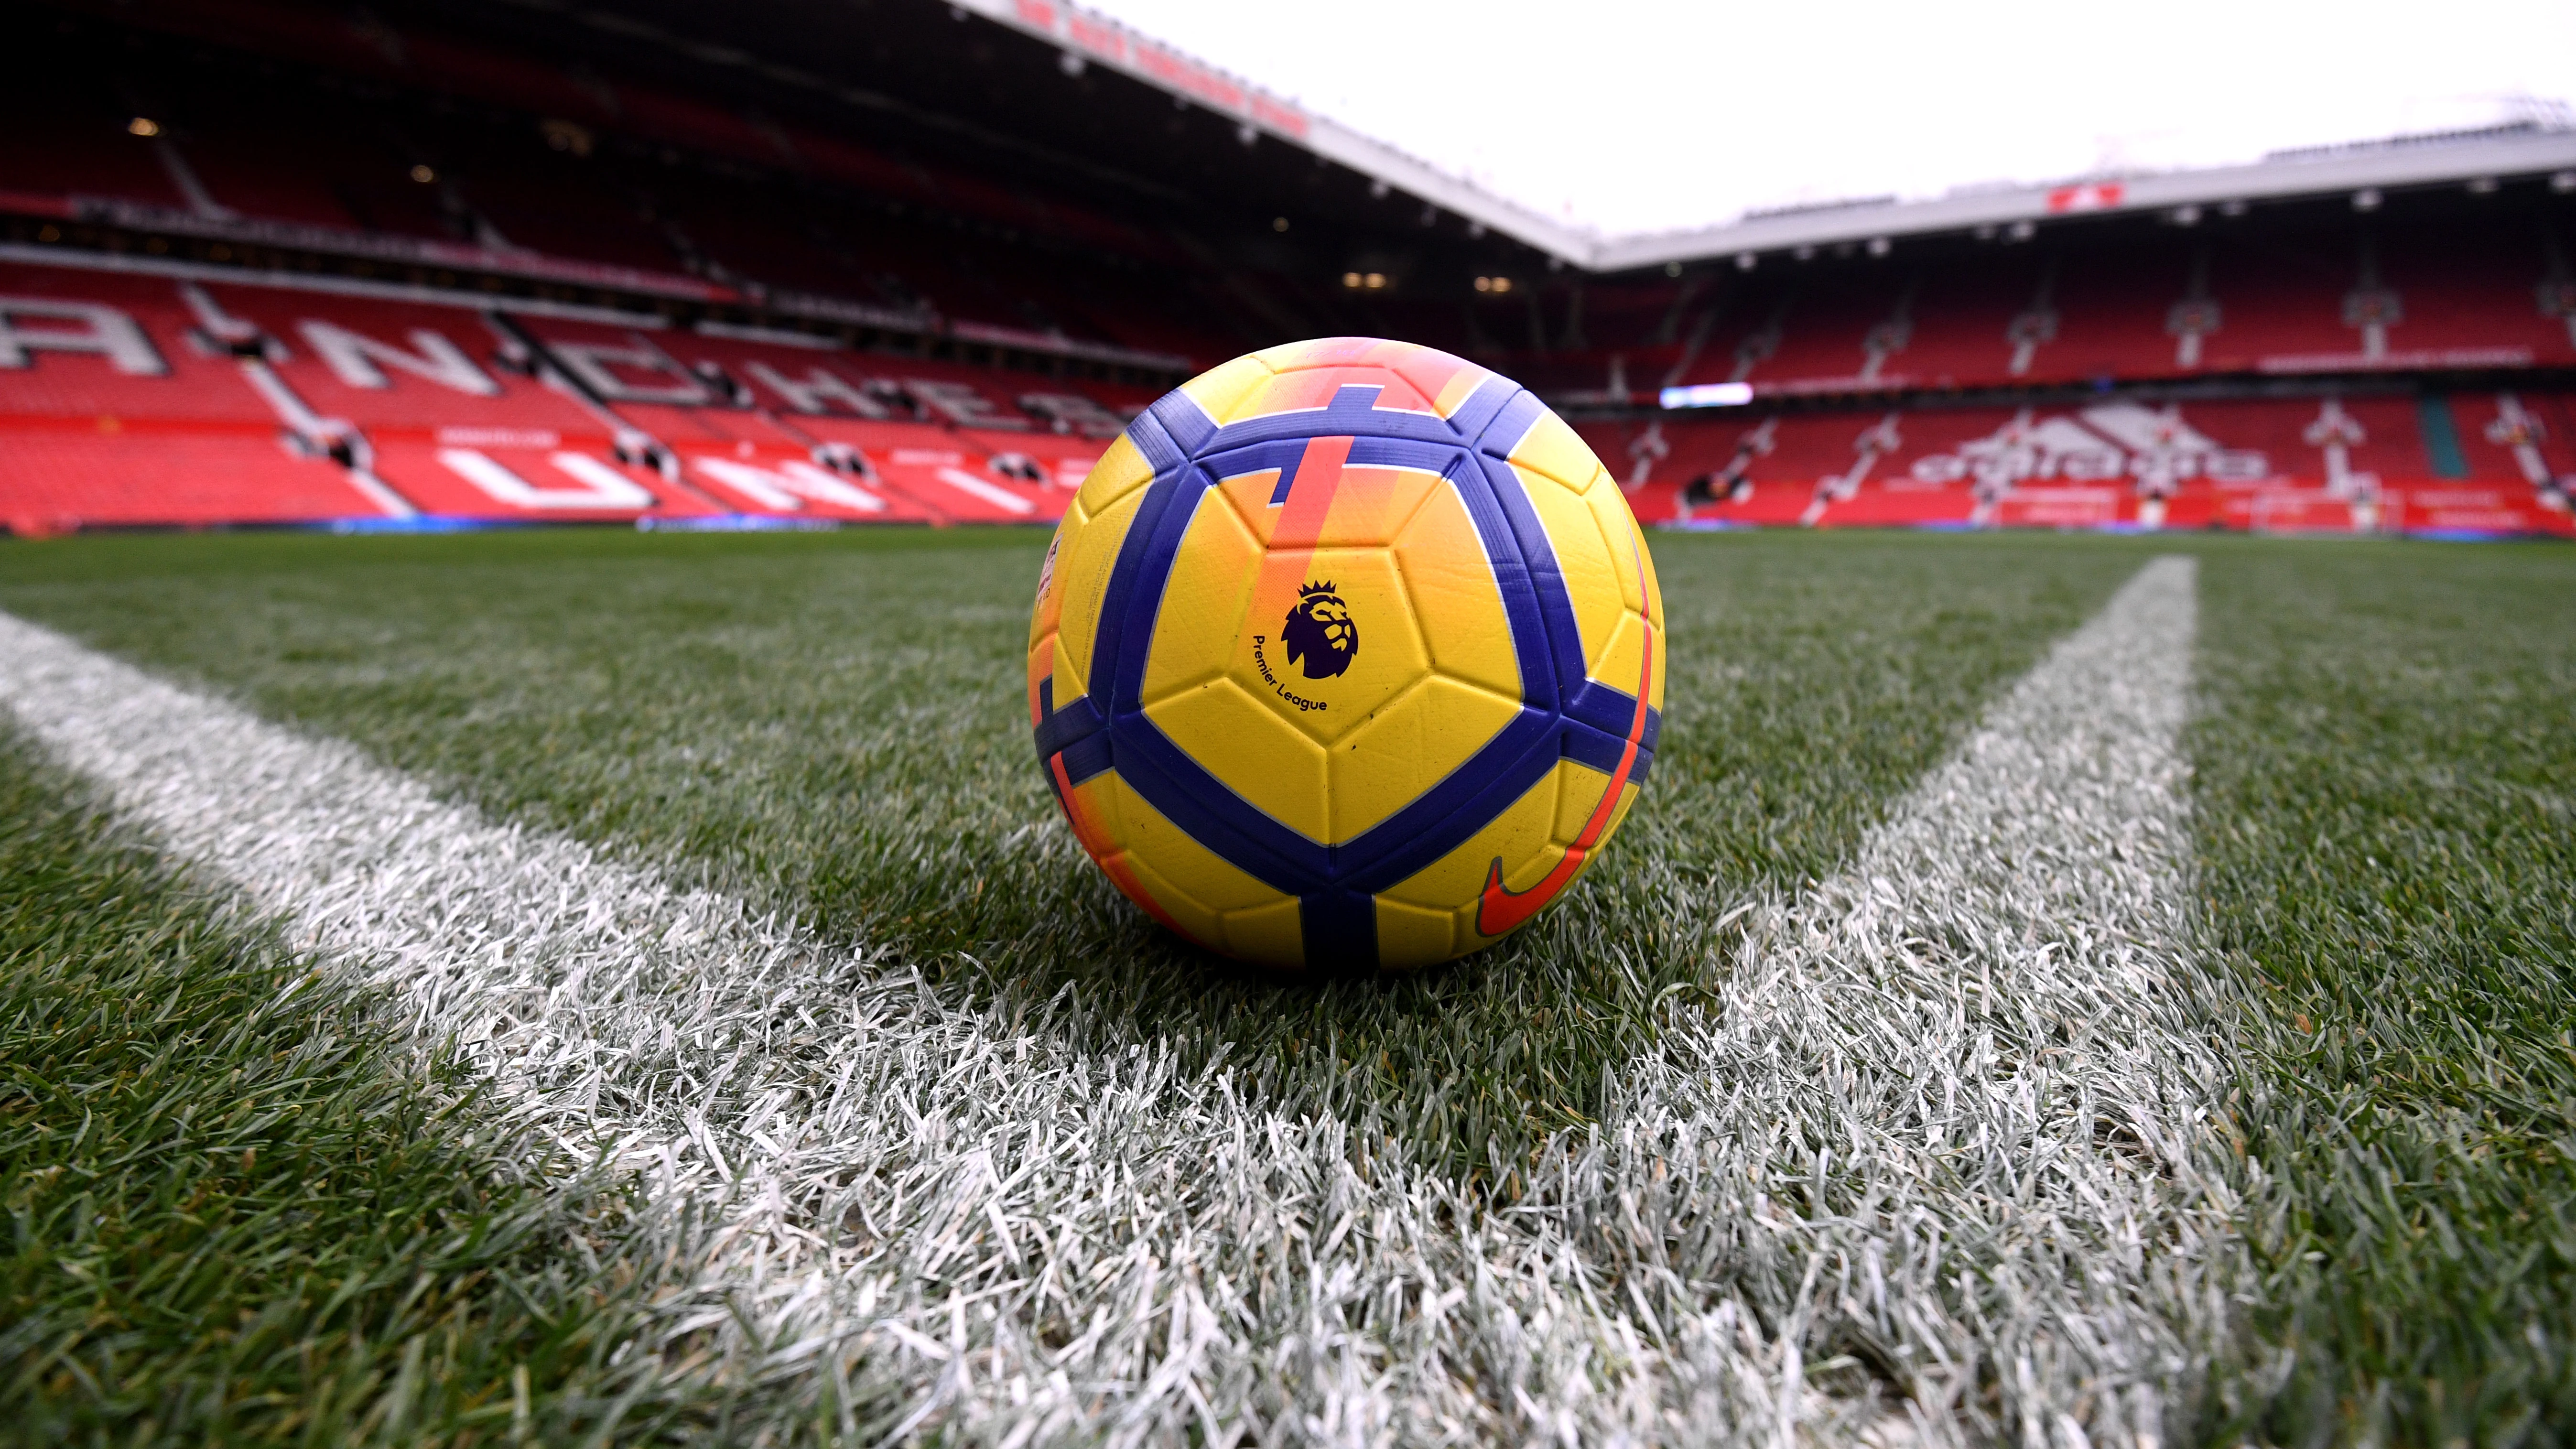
x=1347 y=656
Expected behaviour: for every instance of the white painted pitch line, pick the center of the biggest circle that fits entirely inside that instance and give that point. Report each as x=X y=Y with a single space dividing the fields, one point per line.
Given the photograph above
x=1010 y=1240
x=1947 y=1113
x=1023 y=1245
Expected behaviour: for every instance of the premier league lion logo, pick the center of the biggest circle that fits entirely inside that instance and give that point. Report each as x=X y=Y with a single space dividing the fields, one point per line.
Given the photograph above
x=1319 y=632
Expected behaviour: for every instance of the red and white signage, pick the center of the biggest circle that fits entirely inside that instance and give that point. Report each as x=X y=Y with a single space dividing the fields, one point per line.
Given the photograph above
x=2087 y=196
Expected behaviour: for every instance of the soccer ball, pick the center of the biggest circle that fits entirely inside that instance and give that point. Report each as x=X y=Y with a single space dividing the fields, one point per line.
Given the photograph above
x=1347 y=656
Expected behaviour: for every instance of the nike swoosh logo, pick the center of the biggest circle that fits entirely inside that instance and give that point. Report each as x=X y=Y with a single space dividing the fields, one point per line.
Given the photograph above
x=1501 y=909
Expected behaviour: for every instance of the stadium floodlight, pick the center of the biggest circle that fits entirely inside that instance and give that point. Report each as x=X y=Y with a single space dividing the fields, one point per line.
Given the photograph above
x=2564 y=181
x=1707 y=395
x=143 y=126
x=2366 y=199
x=1744 y=261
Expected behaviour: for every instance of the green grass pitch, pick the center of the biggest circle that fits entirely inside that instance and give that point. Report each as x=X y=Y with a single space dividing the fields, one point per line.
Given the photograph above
x=237 y=1213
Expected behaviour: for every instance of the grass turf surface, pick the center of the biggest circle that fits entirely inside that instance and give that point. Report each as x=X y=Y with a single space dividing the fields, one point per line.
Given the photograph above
x=2387 y=765
x=833 y=725
x=238 y=1214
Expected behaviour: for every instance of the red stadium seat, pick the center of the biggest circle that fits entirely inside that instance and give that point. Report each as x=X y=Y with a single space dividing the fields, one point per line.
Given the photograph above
x=500 y=477
x=57 y=478
x=85 y=345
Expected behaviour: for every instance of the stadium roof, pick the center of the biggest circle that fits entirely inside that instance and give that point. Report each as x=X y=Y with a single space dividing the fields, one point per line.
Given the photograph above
x=1092 y=38
x=2361 y=170
x=2498 y=154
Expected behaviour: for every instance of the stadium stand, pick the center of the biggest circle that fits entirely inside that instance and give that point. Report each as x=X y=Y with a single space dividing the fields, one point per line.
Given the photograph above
x=269 y=261
x=2452 y=463
x=462 y=413
x=2278 y=303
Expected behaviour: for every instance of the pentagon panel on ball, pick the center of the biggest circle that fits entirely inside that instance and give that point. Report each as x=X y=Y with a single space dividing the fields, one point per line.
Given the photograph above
x=1347 y=656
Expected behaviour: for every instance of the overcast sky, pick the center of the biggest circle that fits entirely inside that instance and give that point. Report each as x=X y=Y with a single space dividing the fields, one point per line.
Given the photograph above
x=1633 y=115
